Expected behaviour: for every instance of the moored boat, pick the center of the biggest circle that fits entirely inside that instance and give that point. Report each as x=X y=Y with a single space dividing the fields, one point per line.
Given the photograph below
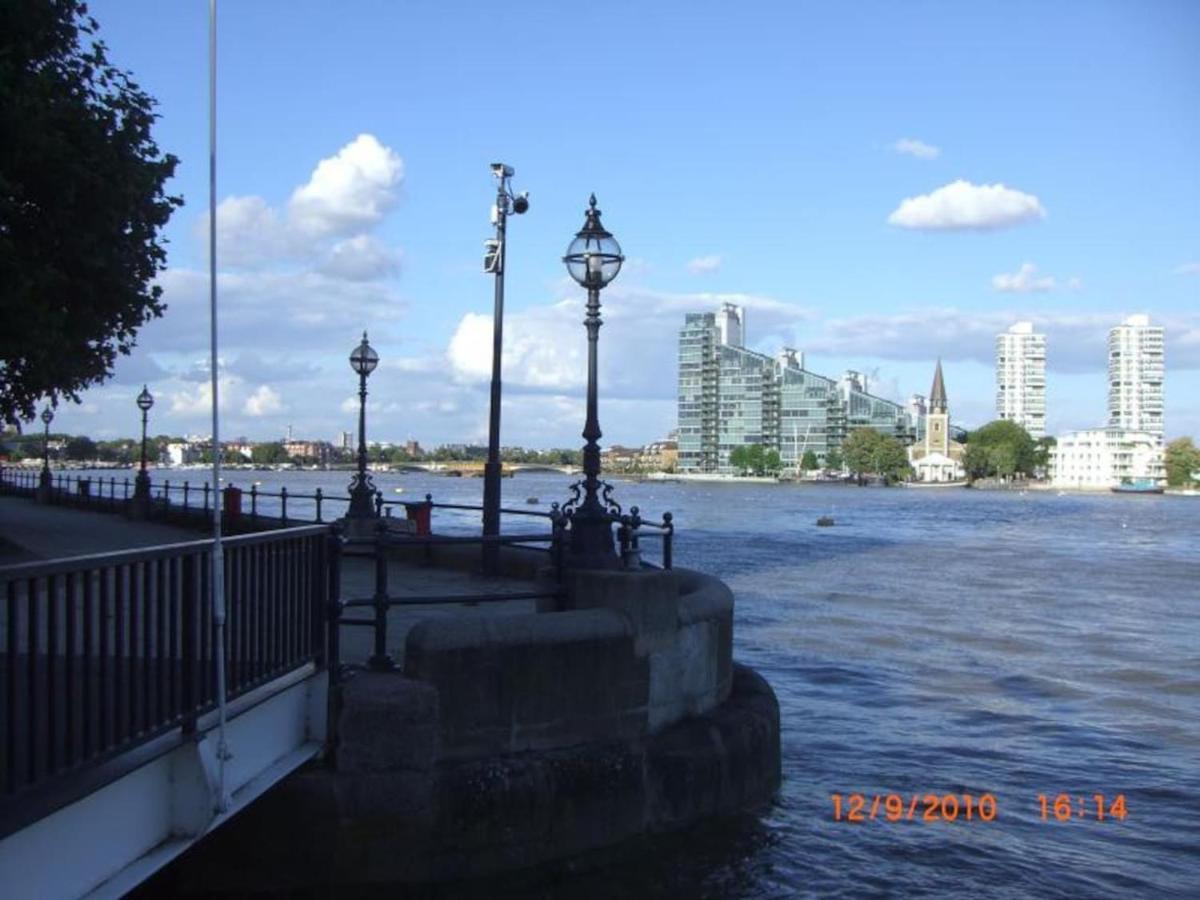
x=1137 y=486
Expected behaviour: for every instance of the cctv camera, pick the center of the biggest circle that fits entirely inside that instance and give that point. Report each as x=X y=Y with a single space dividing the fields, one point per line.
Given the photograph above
x=521 y=202
x=500 y=170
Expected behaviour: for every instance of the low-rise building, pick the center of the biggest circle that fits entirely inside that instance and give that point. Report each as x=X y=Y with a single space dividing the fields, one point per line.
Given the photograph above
x=1101 y=458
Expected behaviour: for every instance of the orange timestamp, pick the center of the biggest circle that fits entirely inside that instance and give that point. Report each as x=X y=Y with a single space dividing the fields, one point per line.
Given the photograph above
x=914 y=807
x=1066 y=807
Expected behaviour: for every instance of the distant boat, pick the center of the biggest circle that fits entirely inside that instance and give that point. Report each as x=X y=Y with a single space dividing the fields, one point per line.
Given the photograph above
x=532 y=501
x=1137 y=486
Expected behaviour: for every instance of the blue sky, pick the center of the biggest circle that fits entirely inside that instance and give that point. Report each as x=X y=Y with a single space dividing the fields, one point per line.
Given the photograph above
x=739 y=151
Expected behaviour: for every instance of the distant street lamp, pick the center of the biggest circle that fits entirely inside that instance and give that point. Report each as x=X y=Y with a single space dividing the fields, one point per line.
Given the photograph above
x=141 y=484
x=363 y=360
x=493 y=261
x=44 y=477
x=593 y=259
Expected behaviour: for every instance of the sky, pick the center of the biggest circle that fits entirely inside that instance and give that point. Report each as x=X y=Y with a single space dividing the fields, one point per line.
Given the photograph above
x=879 y=184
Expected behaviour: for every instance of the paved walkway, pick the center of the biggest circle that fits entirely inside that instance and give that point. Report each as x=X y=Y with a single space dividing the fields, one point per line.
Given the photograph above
x=31 y=531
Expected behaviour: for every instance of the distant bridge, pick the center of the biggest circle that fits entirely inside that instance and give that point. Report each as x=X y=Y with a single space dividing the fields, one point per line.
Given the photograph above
x=475 y=468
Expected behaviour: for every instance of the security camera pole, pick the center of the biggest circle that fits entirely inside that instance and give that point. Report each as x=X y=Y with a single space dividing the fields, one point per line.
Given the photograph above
x=493 y=261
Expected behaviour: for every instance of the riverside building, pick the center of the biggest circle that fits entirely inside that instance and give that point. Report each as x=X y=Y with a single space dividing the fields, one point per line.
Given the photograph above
x=1021 y=378
x=1103 y=458
x=1135 y=377
x=731 y=396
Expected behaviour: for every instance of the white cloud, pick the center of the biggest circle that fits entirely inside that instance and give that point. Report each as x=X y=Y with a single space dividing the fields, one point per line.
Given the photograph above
x=263 y=402
x=196 y=399
x=962 y=205
x=914 y=147
x=1191 y=268
x=349 y=191
x=249 y=232
x=1024 y=281
x=704 y=265
x=361 y=258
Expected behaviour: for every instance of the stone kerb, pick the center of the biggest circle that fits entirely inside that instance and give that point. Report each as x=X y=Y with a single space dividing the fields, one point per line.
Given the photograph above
x=530 y=682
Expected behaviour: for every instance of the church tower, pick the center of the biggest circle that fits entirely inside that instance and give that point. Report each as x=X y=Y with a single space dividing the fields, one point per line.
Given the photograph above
x=937 y=421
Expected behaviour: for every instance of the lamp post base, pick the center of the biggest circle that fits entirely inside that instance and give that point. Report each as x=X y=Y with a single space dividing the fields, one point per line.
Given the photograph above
x=139 y=504
x=45 y=487
x=591 y=545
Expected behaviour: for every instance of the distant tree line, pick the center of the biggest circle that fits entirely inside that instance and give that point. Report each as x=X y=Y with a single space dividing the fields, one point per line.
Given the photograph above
x=870 y=452
x=1004 y=449
x=1182 y=461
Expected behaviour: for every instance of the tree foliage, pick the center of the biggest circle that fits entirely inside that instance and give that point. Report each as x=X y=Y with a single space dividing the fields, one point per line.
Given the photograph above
x=1182 y=459
x=754 y=459
x=834 y=460
x=808 y=462
x=870 y=452
x=1003 y=449
x=81 y=204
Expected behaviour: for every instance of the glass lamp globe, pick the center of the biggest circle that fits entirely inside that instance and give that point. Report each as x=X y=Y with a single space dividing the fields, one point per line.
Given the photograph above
x=364 y=359
x=594 y=258
x=145 y=400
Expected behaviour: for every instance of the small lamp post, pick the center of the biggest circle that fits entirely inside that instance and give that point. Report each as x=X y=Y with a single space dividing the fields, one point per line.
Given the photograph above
x=493 y=261
x=44 y=477
x=363 y=360
x=141 y=484
x=593 y=259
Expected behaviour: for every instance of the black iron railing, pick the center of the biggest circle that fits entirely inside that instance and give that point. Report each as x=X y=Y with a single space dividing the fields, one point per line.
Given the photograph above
x=381 y=600
x=100 y=654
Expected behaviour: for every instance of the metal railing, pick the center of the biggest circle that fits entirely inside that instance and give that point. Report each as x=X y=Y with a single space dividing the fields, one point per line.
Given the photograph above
x=381 y=600
x=101 y=654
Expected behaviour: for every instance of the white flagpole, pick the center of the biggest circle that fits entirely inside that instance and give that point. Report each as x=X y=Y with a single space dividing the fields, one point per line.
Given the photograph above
x=218 y=560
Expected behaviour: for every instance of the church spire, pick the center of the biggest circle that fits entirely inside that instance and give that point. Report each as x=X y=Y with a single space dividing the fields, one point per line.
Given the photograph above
x=937 y=395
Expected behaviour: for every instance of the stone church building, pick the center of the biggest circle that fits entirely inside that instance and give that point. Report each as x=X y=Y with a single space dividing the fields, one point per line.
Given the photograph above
x=937 y=458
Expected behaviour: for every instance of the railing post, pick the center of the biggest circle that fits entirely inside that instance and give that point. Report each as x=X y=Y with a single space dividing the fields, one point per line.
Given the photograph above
x=380 y=661
x=206 y=490
x=283 y=505
x=126 y=491
x=378 y=504
x=185 y=496
x=668 y=538
x=319 y=496
x=190 y=599
x=254 y=505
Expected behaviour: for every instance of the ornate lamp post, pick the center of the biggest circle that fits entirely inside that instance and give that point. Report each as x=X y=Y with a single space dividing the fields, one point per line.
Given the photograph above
x=593 y=259
x=141 y=484
x=363 y=360
x=44 y=477
x=493 y=261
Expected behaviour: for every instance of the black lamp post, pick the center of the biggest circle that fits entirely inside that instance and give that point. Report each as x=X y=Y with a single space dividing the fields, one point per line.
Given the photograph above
x=141 y=484
x=493 y=261
x=44 y=477
x=593 y=259
x=363 y=360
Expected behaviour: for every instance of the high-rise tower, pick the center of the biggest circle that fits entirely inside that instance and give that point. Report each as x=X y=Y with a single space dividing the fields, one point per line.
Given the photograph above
x=1135 y=376
x=1021 y=378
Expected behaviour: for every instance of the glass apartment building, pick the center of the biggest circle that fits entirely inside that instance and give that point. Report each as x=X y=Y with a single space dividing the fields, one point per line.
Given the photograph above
x=731 y=396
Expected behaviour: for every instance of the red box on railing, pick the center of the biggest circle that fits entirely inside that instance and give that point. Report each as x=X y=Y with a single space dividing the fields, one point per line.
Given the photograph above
x=233 y=503
x=421 y=514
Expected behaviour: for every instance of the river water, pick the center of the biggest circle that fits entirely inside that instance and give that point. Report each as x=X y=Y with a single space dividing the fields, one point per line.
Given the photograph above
x=934 y=641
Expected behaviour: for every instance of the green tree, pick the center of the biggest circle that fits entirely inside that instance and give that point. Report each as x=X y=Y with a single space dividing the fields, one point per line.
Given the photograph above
x=756 y=459
x=808 y=462
x=1182 y=460
x=82 y=448
x=858 y=449
x=81 y=206
x=834 y=461
x=1005 y=450
x=868 y=451
x=739 y=458
x=269 y=454
x=772 y=462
